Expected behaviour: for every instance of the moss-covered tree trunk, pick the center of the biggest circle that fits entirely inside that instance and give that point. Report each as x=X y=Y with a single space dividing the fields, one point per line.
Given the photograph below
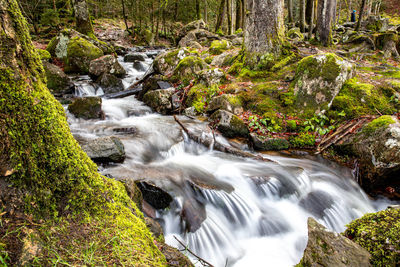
x=40 y=157
x=326 y=16
x=264 y=31
x=82 y=18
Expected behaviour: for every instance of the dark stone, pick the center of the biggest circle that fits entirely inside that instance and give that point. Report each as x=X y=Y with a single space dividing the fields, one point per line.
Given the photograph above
x=110 y=83
x=105 y=150
x=57 y=81
x=174 y=257
x=155 y=196
x=133 y=57
x=229 y=124
x=87 y=108
x=155 y=227
x=193 y=213
x=316 y=203
x=268 y=143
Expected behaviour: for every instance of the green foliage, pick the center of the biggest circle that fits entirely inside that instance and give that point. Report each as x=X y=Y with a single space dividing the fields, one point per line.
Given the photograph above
x=50 y=18
x=291 y=125
x=379 y=233
x=320 y=124
x=379 y=123
x=302 y=140
x=199 y=96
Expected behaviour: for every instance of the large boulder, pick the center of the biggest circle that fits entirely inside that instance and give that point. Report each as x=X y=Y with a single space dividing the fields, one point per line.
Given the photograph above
x=57 y=81
x=110 y=83
x=318 y=81
x=194 y=25
x=377 y=147
x=229 y=124
x=159 y=100
x=166 y=62
x=219 y=46
x=226 y=102
x=105 y=150
x=106 y=64
x=137 y=56
x=325 y=249
x=226 y=58
x=80 y=53
x=87 y=108
x=188 y=68
x=210 y=77
x=154 y=82
x=155 y=196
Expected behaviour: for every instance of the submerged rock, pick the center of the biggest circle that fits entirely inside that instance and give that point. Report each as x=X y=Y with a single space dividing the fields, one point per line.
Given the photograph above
x=159 y=100
x=325 y=248
x=132 y=57
x=155 y=196
x=319 y=80
x=105 y=150
x=87 y=108
x=229 y=124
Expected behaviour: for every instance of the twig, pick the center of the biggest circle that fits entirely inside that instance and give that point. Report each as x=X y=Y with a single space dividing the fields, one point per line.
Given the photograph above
x=218 y=146
x=202 y=261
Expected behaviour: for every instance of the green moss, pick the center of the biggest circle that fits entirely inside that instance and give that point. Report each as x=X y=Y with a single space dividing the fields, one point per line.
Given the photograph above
x=51 y=47
x=218 y=46
x=379 y=123
x=44 y=54
x=236 y=68
x=208 y=60
x=79 y=54
x=379 y=233
x=199 y=96
x=291 y=125
x=283 y=62
x=295 y=33
x=187 y=69
x=311 y=66
x=302 y=140
x=392 y=74
x=238 y=31
x=57 y=177
x=357 y=99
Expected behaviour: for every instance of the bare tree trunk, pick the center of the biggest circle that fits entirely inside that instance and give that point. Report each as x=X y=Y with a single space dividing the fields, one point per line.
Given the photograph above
x=205 y=12
x=326 y=16
x=290 y=11
x=238 y=23
x=244 y=5
x=229 y=16
x=125 y=16
x=220 y=17
x=361 y=15
x=308 y=10
x=350 y=10
x=265 y=31
x=369 y=7
x=176 y=9
x=82 y=18
x=339 y=11
x=198 y=13
x=311 y=29
x=302 y=15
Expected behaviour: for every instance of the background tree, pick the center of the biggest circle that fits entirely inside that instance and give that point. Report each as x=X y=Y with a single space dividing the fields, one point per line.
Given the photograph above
x=326 y=16
x=82 y=18
x=264 y=31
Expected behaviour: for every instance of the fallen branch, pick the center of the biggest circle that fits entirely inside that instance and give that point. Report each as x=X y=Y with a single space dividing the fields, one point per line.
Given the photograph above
x=218 y=146
x=202 y=261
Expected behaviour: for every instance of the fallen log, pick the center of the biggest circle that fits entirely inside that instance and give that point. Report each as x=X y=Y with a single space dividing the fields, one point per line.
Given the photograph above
x=125 y=93
x=208 y=142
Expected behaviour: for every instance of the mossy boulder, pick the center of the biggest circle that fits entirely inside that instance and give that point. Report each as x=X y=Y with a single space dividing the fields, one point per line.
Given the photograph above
x=166 y=62
x=159 y=100
x=188 y=68
x=80 y=53
x=226 y=102
x=105 y=150
x=44 y=54
x=194 y=25
x=325 y=248
x=379 y=234
x=264 y=143
x=319 y=80
x=210 y=77
x=229 y=124
x=87 y=108
x=57 y=81
x=219 y=46
x=377 y=147
x=295 y=34
x=110 y=83
x=226 y=58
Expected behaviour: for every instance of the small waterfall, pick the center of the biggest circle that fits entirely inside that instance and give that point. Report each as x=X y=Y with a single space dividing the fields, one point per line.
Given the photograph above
x=256 y=212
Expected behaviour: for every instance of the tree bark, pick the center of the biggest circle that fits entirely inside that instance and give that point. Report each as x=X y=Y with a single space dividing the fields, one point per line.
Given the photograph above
x=82 y=18
x=205 y=11
x=125 y=16
x=361 y=15
x=220 y=17
x=244 y=5
x=308 y=4
x=326 y=15
x=264 y=33
x=350 y=10
x=302 y=15
x=311 y=29
x=238 y=23
x=229 y=16
x=290 y=11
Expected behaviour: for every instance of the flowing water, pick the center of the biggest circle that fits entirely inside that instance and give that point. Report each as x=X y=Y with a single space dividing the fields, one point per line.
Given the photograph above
x=256 y=212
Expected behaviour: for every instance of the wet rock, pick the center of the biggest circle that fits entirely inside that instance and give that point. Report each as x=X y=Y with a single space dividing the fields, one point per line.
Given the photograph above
x=159 y=100
x=126 y=130
x=316 y=203
x=139 y=66
x=377 y=147
x=325 y=248
x=155 y=228
x=176 y=101
x=319 y=80
x=193 y=213
x=155 y=196
x=174 y=257
x=57 y=81
x=272 y=225
x=105 y=150
x=226 y=102
x=110 y=83
x=225 y=59
x=133 y=57
x=87 y=108
x=134 y=192
x=153 y=83
x=107 y=64
x=268 y=143
x=229 y=124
